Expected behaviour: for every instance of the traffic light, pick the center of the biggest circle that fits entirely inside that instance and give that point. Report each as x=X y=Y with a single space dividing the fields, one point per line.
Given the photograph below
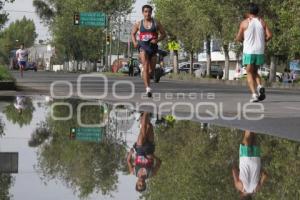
x=72 y=135
x=108 y=39
x=76 y=19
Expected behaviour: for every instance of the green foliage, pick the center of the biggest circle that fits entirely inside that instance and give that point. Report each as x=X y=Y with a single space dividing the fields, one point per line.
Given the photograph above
x=197 y=162
x=6 y=180
x=4 y=74
x=20 y=31
x=191 y=21
x=86 y=167
x=21 y=118
x=73 y=42
x=3 y=15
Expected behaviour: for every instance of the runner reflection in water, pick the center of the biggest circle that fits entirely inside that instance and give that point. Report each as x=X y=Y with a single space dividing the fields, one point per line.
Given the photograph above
x=20 y=103
x=250 y=176
x=146 y=164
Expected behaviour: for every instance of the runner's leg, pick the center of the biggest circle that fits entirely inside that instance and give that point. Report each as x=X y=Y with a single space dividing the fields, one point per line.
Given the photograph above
x=257 y=76
x=146 y=65
x=259 y=87
x=251 y=78
x=153 y=64
x=21 y=69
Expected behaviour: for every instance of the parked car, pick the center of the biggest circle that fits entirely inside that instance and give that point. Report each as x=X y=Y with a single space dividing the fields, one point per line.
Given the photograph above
x=296 y=75
x=216 y=71
x=263 y=71
x=125 y=70
x=186 y=66
x=240 y=72
x=168 y=70
x=31 y=66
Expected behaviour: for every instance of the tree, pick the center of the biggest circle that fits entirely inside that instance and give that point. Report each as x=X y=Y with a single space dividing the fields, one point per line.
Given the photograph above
x=75 y=42
x=178 y=18
x=17 y=117
x=3 y=16
x=20 y=31
x=197 y=162
x=86 y=167
x=6 y=181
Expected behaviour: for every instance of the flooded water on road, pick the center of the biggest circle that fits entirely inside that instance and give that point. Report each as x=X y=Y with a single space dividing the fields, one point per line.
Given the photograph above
x=73 y=149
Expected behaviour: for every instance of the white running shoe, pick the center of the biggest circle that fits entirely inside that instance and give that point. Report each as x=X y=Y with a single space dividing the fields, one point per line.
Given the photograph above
x=149 y=92
x=254 y=98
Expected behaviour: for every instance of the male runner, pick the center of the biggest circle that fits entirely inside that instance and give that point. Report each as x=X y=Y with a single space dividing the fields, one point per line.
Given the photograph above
x=151 y=32
x=22 y=55
x=254 y=33
x=146 y=164
x=250 y=176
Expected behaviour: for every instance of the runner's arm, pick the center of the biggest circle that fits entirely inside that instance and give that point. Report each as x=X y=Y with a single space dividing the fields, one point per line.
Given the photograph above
x=17 y=55
x=162 y=32
x=145 y=120
x=157 y=165
x=237 y=183
x=129 y=156
x=240 y=35
x=268 y=32
x=134 y=31
x=263 y=178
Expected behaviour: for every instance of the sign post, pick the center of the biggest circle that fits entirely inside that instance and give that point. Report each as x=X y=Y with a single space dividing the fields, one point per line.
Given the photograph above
x=92 y=19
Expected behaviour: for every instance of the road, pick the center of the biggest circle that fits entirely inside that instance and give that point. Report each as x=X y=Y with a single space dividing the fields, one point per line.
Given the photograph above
x=196 y=101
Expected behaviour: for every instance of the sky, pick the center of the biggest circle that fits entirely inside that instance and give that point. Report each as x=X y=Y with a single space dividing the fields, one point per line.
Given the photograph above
x=21 y=8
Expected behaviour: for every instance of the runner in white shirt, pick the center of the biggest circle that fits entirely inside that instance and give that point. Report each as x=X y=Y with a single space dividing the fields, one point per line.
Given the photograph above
x=22 y=56
x=254 y=33
x=250 y=177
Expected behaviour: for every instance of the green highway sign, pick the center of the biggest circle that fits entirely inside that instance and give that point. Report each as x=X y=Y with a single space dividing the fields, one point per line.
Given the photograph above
x=87 y=134
x=95 y=19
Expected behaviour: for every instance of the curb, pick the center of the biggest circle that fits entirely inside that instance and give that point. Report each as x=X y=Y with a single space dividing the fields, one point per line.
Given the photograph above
x=7 y=85
x=30 y=89
x=237 y=83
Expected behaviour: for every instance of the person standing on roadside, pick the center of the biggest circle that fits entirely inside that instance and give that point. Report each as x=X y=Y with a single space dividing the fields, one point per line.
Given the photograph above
x=254 y=33
x=150 y=33
x=22 y=57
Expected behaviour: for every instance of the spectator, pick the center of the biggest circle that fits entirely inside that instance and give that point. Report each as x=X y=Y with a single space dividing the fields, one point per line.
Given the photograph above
x=286 y=76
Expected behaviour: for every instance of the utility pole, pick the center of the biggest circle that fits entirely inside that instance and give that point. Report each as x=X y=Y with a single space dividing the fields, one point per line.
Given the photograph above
x=106 y=48
x=119 y=35
x=110 y=51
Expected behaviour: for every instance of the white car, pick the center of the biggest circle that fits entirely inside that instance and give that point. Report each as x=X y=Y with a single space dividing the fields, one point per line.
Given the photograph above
x=262 y=71
x=265 y=72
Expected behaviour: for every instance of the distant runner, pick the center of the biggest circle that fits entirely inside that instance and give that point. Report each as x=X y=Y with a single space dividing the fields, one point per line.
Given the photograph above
x=149 y=30
x=249 y=177
x=254 y=33
x=22 y=56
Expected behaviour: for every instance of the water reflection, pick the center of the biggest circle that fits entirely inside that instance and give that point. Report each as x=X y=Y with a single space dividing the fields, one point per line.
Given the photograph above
x=249 y=177
x=198 y=159
x=6 y=181
x=84 y=166
x=20 y=111
x=146 y=163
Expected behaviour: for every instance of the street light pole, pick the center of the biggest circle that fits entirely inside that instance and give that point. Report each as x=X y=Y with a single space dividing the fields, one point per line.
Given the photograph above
x=119 y=35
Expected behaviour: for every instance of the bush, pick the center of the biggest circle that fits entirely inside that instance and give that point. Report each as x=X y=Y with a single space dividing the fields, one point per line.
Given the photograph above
x=5 y=74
